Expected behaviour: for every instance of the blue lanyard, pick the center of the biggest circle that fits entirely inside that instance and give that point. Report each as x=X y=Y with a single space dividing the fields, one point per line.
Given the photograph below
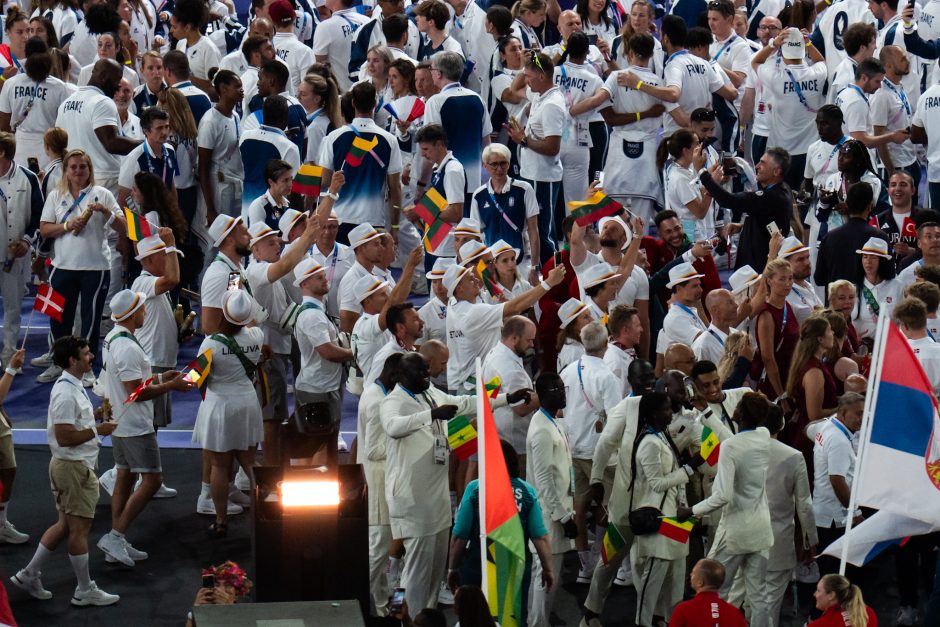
x=900 y=94
x=581 y=382
x=674 y=55
x=717 y=337
x=724 y=47
x=841 y=427
x=797 y=292
x=690 y=312
x=352 y=25
x=75 y=204
x=798 y=90
x=272 y=129
x=164 y=156
x=313 y=116
x=783 y=321
x=860 y=92
x=382 y=387
x=835 y=149
x=500 y=209
x=16 y=62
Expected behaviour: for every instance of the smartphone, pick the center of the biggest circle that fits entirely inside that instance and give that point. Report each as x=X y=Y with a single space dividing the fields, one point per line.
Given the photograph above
x=592 y=39
x=729 y=164
x=396 y=600
x=208 y=581
x=772 y=228
x=234 y=282
x=33 y=165
x=558 y=260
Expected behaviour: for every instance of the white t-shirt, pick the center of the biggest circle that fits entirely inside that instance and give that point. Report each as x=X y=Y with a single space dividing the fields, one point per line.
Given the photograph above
x=32 y=106
x=928 y=353
x=619 y=360
x=760 y=125
x=683 y=187
x=502 y=362
x=548 y=117
x=296 y=55
x=69 y=405
x=86 y=110
x=203 y=55
x=367 y=338
x=592 y=391
x=629 y=100
x=88 y=250
x=794 y=94
x=577 y=82
x=891 y=107
x=314 y=329
x=926 y=117
x=834 y=21
x=158 y=333
x=454 y=180
x=856 y=113
x=697 y=81
x=833 y=454
x=125 y=360
x=334 y=38
x=472 y=330
x=346 y=287
x=273 y=297
x=733 y=54
x=822 y=160
x=220 y=135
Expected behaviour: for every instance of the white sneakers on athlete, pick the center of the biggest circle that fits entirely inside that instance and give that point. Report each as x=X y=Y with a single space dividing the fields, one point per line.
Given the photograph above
x=50 y=374
x=341 y=445
x=134 y=554
x=235 y=495
x=205 y=506
x=43 y=361
x=624 y=577
x=445 y=596
x=10 y=535
x=31 y=584
x=116 y=548
x=93 y=596
x=165 y=492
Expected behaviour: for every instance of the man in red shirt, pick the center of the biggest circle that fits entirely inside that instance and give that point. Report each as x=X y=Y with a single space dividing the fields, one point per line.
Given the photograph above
x=706 y=609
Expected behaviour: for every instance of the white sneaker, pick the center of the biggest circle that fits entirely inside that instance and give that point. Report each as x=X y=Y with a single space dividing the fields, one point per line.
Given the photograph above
x=341 y=445
x=238 y=497
x=115 y=547
x=136 y=555
x=242 y=481
x=93 y=596
x=584 y=576
x=32 y=585
x=205 y=506
x=907 y=615
x=88 y=380
x=445 y=596
x=43 y=361
x=624 y=577
x=10 y=535
x=164 y=492
x=107 y=479
x=50 y=374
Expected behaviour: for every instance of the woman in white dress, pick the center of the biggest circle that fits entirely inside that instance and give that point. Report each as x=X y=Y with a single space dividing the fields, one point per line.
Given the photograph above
x=228 y=423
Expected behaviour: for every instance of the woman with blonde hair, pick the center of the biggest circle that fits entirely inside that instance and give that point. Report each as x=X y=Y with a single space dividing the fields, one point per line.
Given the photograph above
x=505 y=270
x=320 y=99
x=639 y=22
x=842 y=604
x=378 y=60
x=528 y=19
x=811 y=384
x=183 y=137
x=777 y=333
x=737 y=344
x=842 y=295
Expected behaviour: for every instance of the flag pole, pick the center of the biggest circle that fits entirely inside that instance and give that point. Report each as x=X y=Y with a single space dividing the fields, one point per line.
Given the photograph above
x=29 y=323
x=481 y=483
x=871 y=401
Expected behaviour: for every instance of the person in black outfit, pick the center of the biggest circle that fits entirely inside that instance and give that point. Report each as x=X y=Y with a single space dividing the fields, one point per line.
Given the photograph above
x=772 y=202
x=834 y=262
x=903 y=214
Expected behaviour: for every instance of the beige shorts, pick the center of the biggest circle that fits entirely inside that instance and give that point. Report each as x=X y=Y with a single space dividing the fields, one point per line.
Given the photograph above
x=7 y=458
x=582 y=481
x=74 y=486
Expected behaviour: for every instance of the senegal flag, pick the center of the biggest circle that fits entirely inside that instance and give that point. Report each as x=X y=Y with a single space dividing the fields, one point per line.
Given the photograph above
x=710 y=446
x=594 y=208
x=503 y=547
x=307 y=180
x=137 y=226
x=359 y=148
x=612 y=544
x=462 y=437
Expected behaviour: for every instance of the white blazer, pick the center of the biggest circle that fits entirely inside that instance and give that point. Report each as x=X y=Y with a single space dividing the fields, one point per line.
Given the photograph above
x=788 y=495
x=548 y=468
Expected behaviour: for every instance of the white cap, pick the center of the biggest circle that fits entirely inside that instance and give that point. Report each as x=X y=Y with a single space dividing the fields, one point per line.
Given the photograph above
x=471 y=251
x=306 y=269
x=125 y=303
x=237 y=307
x=793 y=47
x=599 y=273
x=791 y=246
x=502 y=246
x=287 y=222
x=626 y=228
x=362 y=234
x=571 y=309
x=221 y=227
x=681 y=273
x=333 y=217
x=743 y=278
x=259 y=231
x=468 y=226
x=366 y=286
x=154 y=244
x=440 y=267
x=875 y=246
x=452 y=277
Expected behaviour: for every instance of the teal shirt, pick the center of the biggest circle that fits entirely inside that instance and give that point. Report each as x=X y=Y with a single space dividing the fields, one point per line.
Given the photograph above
x=467 y=520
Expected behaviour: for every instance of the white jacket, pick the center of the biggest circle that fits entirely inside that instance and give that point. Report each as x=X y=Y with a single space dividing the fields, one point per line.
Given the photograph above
x=788 y=495
x=548 y=468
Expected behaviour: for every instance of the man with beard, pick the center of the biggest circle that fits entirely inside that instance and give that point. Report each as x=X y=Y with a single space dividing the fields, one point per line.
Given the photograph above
x=619 y=248
x=892 y=109
x=802 y=297
x=414 y=417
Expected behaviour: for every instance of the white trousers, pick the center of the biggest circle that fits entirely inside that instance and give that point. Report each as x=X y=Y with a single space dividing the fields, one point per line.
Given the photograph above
x=380 y=537
x=544 y=599
x=603 y=578
x=777 y=583
x=659 y=586
x=754 y=568
x=12 y=285
x=574 y=178
x=423 y=569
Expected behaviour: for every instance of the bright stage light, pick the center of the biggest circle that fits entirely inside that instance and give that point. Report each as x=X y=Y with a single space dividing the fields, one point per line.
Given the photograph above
x=309 y=493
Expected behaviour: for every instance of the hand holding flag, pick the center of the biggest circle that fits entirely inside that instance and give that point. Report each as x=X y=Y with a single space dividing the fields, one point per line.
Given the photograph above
x=308 y=180
x=198 y=371
x=49 y=302
x=597 y=206
x=137 y=226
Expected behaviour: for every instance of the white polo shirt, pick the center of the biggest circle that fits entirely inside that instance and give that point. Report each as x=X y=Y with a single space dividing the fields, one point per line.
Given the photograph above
x=85 y=251
x=366 y=339
x=274 y=298
x=450 y=175
x=337 y=263
x=220 y=135
x=592 y=391
x=434 y=315
x=683 y=187
x=892 y=108
x=733 y=54
x=502 y=362
x=472 y=330
x=346 y=287
x=833 y=454
x=619 y=360
x=803 y=301
x=682 y=324
x=32 y=106
x=314 y=329
x=629 y=100
x=86 y=110
x=696 y=80
x=69 y=405
x=124 y=359
x=548 y=117
x=158 y=333
x=927 y=118
x=856 y=112
x=296 y=55
x=202 y=55
x=710 y=345
x=334 y=38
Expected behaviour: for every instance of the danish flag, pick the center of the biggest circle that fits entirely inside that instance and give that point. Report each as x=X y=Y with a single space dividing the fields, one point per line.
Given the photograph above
x=49 y=302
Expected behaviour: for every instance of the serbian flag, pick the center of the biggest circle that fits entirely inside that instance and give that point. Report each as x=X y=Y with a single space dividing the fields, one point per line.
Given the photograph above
x=360 y=148
x=675 y=529
x=49 y=302
x=137 y=226
x=307 y=180
x=407 y=109
x=612 y=544
x=462 y=437
x=594 y=208
x=197 y=372
x=878 y=533
x=140 y=388
x=710 y=445
x=898 y=467
x=489 y=281
x=502 y=542
x=435 y=228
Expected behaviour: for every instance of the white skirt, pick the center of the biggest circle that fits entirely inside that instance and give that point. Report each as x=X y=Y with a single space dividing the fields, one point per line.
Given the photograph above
x=229 y=419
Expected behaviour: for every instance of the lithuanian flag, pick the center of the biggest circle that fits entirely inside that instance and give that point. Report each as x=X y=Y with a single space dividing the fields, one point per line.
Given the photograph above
x=198 y=370
x=612 y=544
x=675 y=529
x=137 y=226
x=594 y=208
x=489 y=282
x=710 y=445
x=307 y=180
x=435 y=228
x=462 y=437
x=503 y=552
x=360 y=147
